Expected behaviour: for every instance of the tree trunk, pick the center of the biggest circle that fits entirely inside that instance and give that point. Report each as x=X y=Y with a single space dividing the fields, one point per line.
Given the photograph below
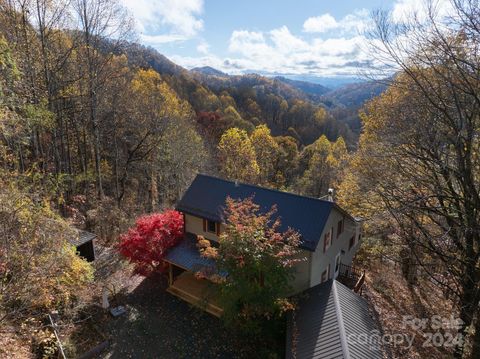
x=468 y=301
x=475 y=354
x=153 y=190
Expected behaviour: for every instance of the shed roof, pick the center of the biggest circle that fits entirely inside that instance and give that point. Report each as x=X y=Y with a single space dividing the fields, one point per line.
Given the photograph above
x=83 y=237
x=187 y=256
x=206 y=198
x=331 y=321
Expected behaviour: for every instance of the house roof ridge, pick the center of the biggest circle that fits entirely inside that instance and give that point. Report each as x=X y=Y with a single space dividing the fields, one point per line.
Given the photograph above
x=333 y=204
x=341 y=326
x=266 y=188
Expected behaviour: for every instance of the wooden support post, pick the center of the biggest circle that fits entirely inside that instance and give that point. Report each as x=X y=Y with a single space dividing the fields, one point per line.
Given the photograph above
x=170 y=274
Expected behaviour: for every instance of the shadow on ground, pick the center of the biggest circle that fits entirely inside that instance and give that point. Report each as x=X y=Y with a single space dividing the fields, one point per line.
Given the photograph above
x=158 y=325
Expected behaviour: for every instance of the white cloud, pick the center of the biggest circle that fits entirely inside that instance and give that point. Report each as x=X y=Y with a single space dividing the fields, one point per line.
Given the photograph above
x=242 y=40
x=280 y=51
x=357 y=21
x=161 y=20
x=285 y=42
x=322 y=23
x=338 y=52
x=344 y=47
x=203 y=47
x=162 y=39
x=404 y=10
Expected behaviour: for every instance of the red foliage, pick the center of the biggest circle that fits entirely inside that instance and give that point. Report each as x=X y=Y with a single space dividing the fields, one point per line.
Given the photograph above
x=212 y=123
x=146 y=244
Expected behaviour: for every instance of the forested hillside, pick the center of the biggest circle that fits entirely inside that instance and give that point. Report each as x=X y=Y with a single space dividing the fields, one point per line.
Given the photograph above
x=96 y=130
x=102 y=115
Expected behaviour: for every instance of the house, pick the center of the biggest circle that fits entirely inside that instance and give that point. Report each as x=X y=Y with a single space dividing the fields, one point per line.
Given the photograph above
x=329 y=236
x=331 y=321
x=84 y=245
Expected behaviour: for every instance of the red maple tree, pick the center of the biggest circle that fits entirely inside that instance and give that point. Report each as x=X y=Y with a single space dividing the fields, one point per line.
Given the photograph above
x=146 y=244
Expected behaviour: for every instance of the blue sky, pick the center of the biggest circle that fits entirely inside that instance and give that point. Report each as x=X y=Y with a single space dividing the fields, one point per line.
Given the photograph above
x=297 y=37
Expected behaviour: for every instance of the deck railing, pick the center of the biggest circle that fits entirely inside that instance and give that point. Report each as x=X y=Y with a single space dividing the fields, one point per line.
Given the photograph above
x=351 y=276
x=349 y=272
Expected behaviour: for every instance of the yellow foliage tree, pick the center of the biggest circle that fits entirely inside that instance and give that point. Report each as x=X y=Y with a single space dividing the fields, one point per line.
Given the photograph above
x=39 y=269
x=267 y=152
x=325 y=165
x=237 y=156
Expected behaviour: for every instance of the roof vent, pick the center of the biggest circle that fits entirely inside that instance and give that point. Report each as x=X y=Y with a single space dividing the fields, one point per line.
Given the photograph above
x=330 y=194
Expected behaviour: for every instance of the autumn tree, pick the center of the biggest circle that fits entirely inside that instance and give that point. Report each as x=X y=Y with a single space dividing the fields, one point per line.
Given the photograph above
x=418 y=165
x=253 y=108
x=237 y=156
x=146 y=244
x=227 y=100
x=287 y=162
x=258 y=258
x=204 y=100
x=212 y=126
x=39 y=269
x=98 y=20
x=182 y=155
x=151 y=138
x=325 y=162
x=267 y=153
x=234 y=119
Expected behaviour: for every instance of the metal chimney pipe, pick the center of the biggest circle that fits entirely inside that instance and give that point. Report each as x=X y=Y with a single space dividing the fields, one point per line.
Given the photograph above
x=330 y=194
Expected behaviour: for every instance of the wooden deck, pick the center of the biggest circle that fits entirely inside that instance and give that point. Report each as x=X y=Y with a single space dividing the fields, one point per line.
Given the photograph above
x=352 y=277
x=198 y=292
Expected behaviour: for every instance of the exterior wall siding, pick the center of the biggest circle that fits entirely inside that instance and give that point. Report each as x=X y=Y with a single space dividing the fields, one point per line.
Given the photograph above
x=320 y=261
x=308 y=272
x=194 y=225
x=301 y=280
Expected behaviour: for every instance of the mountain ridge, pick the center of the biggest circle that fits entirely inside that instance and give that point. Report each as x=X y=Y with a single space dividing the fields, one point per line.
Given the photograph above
x=286 y=106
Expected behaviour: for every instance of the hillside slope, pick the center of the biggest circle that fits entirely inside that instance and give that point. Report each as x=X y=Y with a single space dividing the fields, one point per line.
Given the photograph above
x=288 y=107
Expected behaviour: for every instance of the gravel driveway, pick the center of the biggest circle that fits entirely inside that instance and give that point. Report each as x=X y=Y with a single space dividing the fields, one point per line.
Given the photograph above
x=158 y=325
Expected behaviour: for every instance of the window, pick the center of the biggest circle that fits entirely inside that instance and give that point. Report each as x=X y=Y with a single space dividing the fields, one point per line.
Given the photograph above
x=337 y=264
x=327 y=241
x=351 y=243
x=211 y=226
x=340 y=227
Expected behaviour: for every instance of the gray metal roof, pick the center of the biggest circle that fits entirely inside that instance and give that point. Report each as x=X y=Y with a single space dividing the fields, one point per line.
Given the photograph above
x=331 y=322
x=83 y=237
x=206 y=198
x=187 y=256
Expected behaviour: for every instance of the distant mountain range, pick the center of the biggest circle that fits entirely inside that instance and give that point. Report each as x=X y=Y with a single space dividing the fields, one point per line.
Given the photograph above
x=316 y=85
x=329 y=82
x=355 y=94
x=309 y=88
x=207 y=70
x=348 y=91
x=286 y=103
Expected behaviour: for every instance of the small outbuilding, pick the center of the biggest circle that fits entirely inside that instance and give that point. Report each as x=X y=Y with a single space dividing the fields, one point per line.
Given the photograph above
x=84 y=244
